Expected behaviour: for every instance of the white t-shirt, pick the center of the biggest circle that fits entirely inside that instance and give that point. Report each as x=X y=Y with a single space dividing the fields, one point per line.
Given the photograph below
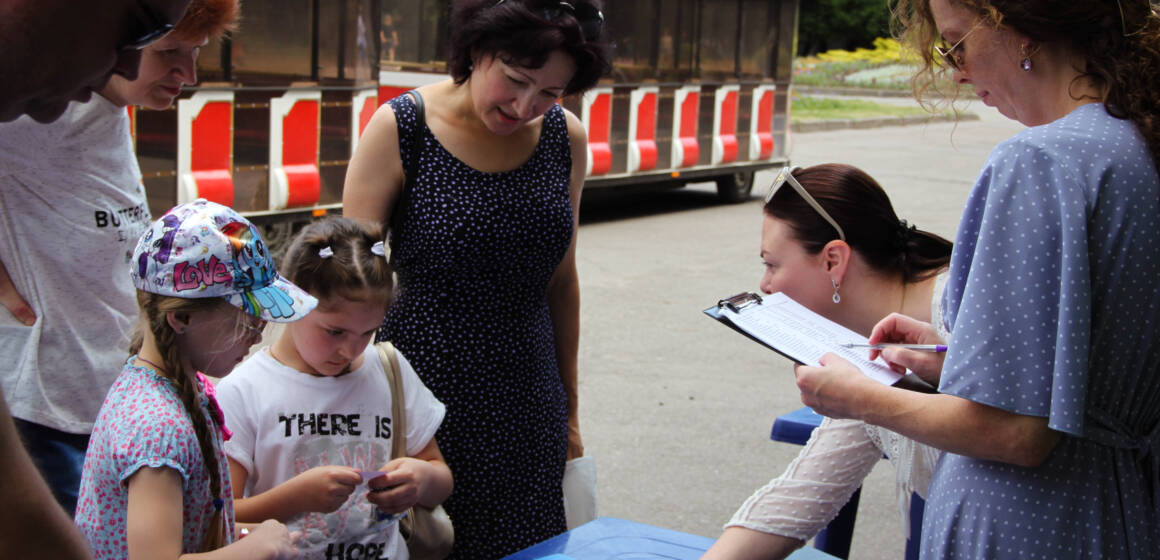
x=286 y=422
x=71 y=209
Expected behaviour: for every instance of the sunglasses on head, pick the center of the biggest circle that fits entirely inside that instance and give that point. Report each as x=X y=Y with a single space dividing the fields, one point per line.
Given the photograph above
x=786 y=176
x=951 y=54
x=145 y=28
x=591 y=20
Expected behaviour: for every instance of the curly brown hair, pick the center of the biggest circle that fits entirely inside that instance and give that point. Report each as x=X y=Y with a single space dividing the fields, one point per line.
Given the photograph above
x=1118 y=39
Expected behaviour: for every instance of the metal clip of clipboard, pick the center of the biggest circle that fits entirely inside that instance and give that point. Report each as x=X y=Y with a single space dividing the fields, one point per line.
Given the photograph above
x=737 y=302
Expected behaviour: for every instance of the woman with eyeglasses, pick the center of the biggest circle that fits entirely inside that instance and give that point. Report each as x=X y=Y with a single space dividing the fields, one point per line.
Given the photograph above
x=1049 y=410
x=832 y=241
x=482 y=198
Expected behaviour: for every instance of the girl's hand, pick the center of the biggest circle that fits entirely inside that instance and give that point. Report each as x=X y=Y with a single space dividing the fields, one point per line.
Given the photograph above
x=836 y=388
x=902 y=329
x=270 y=540
x=324 y=489
x=399 y=489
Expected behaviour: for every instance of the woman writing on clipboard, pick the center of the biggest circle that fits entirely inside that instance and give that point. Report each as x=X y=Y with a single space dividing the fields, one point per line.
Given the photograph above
x=1049 y=404
x=832 y=242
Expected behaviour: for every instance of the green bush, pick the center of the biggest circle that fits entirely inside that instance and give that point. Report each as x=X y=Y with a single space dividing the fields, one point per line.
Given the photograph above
x=841 y=24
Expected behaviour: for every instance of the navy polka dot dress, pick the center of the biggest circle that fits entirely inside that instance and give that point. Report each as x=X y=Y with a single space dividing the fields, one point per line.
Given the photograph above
x=1053 y=299
x=474 y=252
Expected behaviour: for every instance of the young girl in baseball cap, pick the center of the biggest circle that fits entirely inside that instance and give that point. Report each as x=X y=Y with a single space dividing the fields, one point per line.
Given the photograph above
x=155 y=480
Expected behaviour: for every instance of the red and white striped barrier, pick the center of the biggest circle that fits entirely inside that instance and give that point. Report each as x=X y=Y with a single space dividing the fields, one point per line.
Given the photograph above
x=205 y=147
x=642 y=129
x=686 y=110
x=362 y=108
x=294 y=141
x=597 y=119
x=761 y=123
x=725 y=124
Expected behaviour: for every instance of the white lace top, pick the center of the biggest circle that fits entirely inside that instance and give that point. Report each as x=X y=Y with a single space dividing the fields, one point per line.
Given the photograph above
x=838 y=456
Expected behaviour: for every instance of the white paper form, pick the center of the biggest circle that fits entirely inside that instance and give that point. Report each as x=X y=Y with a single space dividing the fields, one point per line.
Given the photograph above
x=804 y=336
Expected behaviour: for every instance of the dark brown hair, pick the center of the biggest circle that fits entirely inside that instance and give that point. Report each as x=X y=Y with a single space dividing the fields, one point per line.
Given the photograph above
x=859 y=204
x=351 y=270
x=208 y=18
x=512 y=32
x=153 y=311
x=1118 y=39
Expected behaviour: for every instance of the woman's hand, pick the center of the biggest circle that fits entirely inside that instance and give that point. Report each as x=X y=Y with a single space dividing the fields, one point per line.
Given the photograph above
x=836 y=388
x=11 y=300
x=324 y=489
x=575 y=444
x=401 y=487
x=897 y=328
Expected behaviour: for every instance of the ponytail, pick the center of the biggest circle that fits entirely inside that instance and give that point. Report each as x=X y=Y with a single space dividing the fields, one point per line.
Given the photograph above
x=859 y=204
x=921 y=254
x=153 y=309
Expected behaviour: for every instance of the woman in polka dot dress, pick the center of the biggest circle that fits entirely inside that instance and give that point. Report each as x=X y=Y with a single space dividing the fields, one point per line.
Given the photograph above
x=1050 y=392
x=484 y=246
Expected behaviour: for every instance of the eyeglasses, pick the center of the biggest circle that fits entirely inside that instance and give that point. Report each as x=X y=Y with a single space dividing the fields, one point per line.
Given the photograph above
x=786 y=176
x=951 y=55
x=145 y=28
x=591 y=19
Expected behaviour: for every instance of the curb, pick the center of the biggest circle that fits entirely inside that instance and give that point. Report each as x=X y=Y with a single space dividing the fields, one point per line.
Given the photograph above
x=877 y=122
x=852 y=91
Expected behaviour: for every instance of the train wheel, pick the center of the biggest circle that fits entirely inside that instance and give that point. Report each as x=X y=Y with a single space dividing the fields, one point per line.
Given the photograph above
x=735 y=187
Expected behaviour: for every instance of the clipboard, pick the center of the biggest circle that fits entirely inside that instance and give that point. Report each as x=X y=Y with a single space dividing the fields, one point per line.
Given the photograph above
x=787 y=327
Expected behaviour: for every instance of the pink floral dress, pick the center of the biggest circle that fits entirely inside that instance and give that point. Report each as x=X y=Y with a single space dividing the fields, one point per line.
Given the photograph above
x=143 y=424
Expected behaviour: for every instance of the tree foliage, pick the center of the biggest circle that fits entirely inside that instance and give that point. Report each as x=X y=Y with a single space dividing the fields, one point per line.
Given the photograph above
x=841 y=24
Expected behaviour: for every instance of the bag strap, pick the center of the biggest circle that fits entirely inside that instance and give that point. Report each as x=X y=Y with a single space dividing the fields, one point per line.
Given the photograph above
x=390 y=359
x=412 y=170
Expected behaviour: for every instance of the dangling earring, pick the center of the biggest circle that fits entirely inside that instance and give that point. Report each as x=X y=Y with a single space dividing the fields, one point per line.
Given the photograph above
x=1025 y=64
x=837 y=298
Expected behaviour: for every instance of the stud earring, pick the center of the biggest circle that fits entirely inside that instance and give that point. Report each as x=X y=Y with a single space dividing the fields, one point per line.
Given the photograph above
x=837 y=298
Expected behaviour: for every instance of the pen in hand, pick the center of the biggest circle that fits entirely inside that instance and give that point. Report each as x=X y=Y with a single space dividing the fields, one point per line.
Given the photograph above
x=918 y=347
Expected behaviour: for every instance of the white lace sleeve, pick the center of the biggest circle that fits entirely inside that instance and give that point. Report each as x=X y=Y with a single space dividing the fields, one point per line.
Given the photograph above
x=913 y=464
x=815 y=486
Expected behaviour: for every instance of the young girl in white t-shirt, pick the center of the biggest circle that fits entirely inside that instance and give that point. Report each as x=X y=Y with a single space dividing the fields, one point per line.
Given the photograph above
x=311 y=414
x=154 y=482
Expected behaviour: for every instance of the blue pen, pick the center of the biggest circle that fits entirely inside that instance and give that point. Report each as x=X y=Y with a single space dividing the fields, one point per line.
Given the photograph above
x=918 y=347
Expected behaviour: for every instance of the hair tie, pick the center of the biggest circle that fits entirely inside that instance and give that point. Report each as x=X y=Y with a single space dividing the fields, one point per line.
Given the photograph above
x=326 y=252
x=217 y=504
x=379 y=249
x=905 y=232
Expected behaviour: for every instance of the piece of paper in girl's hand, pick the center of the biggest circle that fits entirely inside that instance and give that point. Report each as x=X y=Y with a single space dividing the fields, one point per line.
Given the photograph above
x=368 y=476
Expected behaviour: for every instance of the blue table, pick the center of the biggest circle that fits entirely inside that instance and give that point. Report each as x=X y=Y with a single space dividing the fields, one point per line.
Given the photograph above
x=795 y=427
x=612 y=538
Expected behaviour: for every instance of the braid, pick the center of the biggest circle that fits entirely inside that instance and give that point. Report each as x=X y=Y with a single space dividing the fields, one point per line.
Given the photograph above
x=166 y=339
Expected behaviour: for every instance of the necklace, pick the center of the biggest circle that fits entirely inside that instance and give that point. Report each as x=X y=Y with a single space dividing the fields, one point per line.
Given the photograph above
x=155 y=366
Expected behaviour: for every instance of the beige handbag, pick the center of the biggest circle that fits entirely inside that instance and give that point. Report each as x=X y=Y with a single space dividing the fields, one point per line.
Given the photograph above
x=427 y=532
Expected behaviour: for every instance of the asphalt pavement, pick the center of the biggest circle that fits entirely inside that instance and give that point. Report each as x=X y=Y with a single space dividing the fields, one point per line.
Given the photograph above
x=676 y=408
